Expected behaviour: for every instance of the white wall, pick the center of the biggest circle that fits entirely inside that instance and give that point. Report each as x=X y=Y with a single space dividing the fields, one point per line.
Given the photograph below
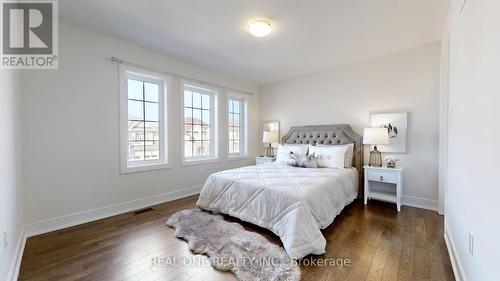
x=473 y=132
x=71 y=129
x=11 y=207
x=405 y=81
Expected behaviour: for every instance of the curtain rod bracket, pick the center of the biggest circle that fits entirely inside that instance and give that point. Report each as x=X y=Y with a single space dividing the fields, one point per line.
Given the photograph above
x=115 y=59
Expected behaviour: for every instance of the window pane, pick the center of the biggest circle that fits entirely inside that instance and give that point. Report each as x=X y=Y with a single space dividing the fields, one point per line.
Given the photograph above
x=188 y=132
x=205 y=132
x=135 y=150
x=151 y=92
x=234 y=133
x=152 y=150
x=205 y=101
x=205 y=151
x=152 y=131
x=201 y=148
x=197 y=132
x=231 y=107
x=196 y=116
x=205 y=117
x=152 y=111
x=188 y=149
x=236 y=106
x=135 y=130
x=196 y=100
x=188 y=115
x=188 y=98
x=135 y=89
x=135 y=110
x=197 y=148
x=234 y=147
x=236 y=120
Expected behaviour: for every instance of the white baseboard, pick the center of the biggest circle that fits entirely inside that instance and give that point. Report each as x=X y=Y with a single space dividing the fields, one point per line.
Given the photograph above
x=108 y=211
x=455 y=260
x=16 y=261
x=419 y=202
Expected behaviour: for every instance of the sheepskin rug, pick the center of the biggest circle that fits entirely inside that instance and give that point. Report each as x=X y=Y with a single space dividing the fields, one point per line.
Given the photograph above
x=229 y=247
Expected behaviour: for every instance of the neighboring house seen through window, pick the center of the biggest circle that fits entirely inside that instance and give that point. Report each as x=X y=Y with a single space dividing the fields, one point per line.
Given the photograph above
x=236 y=126
x=143 y=121
x=200 y=123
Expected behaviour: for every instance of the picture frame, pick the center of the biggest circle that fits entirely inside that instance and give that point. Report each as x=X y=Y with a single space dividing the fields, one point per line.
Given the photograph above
x=397 y=126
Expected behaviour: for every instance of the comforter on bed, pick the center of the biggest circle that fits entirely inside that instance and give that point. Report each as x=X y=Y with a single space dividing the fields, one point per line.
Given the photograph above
x=294 y=203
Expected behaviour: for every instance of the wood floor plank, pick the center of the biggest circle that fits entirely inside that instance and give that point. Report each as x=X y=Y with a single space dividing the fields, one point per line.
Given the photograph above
x=391 y=269
x=378 y=242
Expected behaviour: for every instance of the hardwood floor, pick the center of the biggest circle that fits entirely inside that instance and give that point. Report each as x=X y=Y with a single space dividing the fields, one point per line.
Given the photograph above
x=380 y=244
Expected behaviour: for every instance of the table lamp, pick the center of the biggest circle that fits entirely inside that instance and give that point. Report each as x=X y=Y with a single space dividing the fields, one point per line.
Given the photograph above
x=375 y=136
x=270 y=137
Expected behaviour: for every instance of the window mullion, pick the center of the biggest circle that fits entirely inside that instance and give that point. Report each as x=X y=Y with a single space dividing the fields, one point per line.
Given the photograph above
x=144 y=119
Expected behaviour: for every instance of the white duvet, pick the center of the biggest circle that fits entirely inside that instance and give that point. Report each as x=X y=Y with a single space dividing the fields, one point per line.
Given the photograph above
x=294 y=203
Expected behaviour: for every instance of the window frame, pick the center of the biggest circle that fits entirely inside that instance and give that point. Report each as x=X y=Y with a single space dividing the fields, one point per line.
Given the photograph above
x=243 y=125
x=126 y=166
x=214 y=124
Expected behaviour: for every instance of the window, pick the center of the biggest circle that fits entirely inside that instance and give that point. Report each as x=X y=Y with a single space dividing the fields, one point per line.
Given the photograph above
x=143 y=128
x=199 y=124
x=236 y=126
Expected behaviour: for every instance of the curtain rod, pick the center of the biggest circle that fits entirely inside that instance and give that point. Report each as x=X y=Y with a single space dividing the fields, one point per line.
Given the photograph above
x=119 y=61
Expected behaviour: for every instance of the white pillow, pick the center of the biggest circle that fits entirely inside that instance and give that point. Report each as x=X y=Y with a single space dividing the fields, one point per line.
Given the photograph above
x=349 y=155
x=283 y=155
x=329 y=156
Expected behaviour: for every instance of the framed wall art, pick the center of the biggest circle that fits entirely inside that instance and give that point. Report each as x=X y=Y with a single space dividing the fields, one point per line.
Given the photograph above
x=396 y=124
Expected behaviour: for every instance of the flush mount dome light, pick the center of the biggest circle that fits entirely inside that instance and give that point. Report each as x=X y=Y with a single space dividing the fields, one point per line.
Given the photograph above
x=259 y=28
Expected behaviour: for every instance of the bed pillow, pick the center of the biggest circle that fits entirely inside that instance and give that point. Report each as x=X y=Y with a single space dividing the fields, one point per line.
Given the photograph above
x=349 y=156
x=283 y=155
x=302 y=161
x=332 y=156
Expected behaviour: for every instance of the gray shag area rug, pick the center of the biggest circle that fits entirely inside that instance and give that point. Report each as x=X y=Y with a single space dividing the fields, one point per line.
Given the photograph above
x=230 y=247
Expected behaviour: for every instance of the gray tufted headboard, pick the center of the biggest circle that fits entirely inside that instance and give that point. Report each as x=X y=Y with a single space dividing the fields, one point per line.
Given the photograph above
x=329 y=134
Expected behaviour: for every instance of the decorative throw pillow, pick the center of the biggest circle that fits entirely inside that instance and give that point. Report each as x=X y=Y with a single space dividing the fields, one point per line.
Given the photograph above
x=349 y=156
x=329 y=156
x=283 y=155
x=302 y=161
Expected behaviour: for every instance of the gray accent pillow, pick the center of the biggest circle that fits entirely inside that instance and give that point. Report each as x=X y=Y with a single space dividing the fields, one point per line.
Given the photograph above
x=302 y=161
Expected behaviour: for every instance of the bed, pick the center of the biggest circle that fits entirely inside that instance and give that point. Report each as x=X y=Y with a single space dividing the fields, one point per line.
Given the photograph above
x=294 y=203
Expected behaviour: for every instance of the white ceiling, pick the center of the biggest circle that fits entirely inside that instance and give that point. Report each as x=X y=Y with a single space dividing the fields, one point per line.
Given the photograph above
x=308 y=35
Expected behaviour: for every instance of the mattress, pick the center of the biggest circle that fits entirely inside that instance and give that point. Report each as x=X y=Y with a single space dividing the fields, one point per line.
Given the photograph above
x=294 y=203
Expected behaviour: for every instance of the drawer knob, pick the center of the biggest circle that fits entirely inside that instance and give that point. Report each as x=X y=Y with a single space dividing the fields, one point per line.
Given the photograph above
x=381 y=178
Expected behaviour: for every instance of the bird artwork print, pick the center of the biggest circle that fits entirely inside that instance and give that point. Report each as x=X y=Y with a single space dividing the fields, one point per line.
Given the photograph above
x=393 y=131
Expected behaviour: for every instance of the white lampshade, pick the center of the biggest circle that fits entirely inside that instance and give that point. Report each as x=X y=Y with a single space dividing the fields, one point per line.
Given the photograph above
x=376 y=136
x=270 y=137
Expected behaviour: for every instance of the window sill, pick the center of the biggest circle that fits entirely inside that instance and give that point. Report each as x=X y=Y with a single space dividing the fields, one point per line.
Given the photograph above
x=199 y=162
x=144 y=168
x=238 y=157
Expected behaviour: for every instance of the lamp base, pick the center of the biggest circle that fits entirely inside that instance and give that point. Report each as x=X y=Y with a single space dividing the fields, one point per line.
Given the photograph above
x=270 y=151
x=375 y=158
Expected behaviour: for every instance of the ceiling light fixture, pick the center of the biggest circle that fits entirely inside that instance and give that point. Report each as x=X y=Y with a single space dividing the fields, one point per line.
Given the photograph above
x=259 y=28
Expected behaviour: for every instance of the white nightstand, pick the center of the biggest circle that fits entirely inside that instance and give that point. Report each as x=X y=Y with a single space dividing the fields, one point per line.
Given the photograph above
x=392 y=176
x=259 y=160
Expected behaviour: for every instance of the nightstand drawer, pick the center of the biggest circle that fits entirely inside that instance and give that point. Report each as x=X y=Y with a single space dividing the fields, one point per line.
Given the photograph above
x=382 y=176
